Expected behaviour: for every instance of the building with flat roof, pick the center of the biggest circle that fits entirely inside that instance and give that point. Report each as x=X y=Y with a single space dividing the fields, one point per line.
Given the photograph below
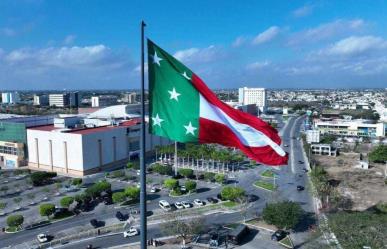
x=348 y=128
x=103 y=100
x=257 y=96
x=10 y=98
x=78 y=150
x=41 y=100
x=59 y=100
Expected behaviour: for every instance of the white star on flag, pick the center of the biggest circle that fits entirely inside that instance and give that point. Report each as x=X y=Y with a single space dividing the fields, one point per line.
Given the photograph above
x=174 y=94
x=185 y=75
x=156 y=59
x=157 y=120
x=190 y=129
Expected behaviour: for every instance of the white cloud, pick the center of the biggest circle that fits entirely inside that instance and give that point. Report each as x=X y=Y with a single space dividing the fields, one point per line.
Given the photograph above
x=327 y=30
x=303 y=11
x=69 y=39
x=6 y=31
x=194 y=55
x=239 y=41
x=266 y=35
x=356 y=45
x=65 y=57
x=258 y=65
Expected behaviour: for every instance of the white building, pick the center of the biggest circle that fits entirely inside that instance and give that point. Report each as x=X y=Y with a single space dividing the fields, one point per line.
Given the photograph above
x=312 y=136
x=10 y=97
x=59 y=100
x=41 y=100
x=355 y=128
x=255 y=96
x=102 y=101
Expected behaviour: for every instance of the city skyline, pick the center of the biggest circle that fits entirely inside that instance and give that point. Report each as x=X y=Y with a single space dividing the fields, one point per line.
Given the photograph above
x=75 y=45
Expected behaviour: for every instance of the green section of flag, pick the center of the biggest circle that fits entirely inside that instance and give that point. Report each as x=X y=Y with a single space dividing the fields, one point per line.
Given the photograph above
x=174 y=102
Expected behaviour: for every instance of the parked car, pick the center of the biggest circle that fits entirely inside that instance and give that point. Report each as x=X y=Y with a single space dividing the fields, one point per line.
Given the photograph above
x=183 y=188
x=305 y=170
x=138 y=172
x=186 y=204
x=300 y=188
x=131 y=232
x=252 y=198
x=120 y=216
x=178 y=205
x=285 y=145
x=278 y=235
x=198 y=202
x=164 y=205
x=153 y=189
x=42 y=237
x=300 y=162
x=212 y=200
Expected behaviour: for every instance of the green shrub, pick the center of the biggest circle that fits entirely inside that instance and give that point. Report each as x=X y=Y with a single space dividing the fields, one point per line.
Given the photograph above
x=96 y=189
x=162 y=169
x=284 y=215
x=15 y=220
x=209 y=176
x=66 y=201
x=187 y=173
x=41 y=178
x=46 y=209
x=232 y=193
x=119 y=197
x=190 y=185
x=220 y=178
x=76 y=181
x=171 y=183
x=118 y=174
x=133 y=192
x=379 y=154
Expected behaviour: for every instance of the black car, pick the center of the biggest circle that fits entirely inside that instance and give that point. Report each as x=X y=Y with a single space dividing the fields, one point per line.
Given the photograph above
x=212 y=200
x=300 y=162
x=252 y=198
x=305 y=170
x=300 y=188
x=94 y=223
x=120 y=216
x=219 y=196
x=278 y=235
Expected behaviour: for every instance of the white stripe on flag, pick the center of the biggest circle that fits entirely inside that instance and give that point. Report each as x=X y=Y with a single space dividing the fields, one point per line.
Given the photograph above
x=248 y=135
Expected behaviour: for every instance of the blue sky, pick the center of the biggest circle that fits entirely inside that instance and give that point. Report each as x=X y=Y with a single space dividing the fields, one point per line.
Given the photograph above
x=275 y=44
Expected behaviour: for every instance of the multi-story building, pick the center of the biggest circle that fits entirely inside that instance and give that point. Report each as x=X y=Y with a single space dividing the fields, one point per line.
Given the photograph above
x=355 y=128
x=41 y=100
x=129 y=98
x=59 y=100
x=103 y=100
x=255 y=96
x=81 y=150
x=74 y=99
x=312 y=136
x=10 y=98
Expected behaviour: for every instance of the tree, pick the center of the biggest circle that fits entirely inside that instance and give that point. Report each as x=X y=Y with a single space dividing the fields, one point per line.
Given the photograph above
x=41 y=178
x=284 y=215
x=232 y=193
x=179 y=225
x=96 y=189
x=162 y=169
x=133 y=165
x=171 y=183
x=133 y=193
x=190 y=185
x=66 y=201
x=119 y=197
x=379 y=154
x=15 y=220
x=3 y=205
x=187 y=173
x=46 y=209
x=220 y=178
x=209 y=176
x=76 y=181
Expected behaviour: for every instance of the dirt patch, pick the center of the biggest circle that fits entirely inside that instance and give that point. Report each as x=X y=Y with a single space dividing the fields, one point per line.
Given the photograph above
x=365 y=187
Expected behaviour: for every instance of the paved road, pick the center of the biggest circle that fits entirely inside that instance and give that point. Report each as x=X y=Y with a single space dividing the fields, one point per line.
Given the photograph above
x=287 y=180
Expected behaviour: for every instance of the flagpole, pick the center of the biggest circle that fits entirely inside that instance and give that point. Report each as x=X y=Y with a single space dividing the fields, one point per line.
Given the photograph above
x=143 y=223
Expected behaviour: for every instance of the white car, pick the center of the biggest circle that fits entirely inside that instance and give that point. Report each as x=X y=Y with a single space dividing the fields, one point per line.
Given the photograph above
x=183 y=188
x=179 y=205
x=186 y=204
x=131 y=232
x=164 y=205
x=17 y=208
x=153 y=190
x=42 y=238
x=3 y=214
x=198 y=202
x=138 y=172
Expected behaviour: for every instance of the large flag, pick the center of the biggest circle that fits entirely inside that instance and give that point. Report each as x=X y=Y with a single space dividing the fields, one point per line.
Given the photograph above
x=184 y=109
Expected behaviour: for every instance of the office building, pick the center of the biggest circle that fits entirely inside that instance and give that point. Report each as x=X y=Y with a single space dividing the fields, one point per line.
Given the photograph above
x=129 y=98
x=255 y=96
x=312 y=136
x=41 y=100
x=103 y=101
x=74 y=99
x=350 y=128
x=10 y=98
x=59 y=100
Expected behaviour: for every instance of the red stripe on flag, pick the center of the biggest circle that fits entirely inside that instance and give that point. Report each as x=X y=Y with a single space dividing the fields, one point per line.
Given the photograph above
x=239 y=116
x=214 y=132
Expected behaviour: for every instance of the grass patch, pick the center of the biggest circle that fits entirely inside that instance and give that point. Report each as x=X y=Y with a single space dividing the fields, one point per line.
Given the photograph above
x=265 y=185
x=176 y=192
x=268 y=173
x=230 y=204
x=12 y=229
